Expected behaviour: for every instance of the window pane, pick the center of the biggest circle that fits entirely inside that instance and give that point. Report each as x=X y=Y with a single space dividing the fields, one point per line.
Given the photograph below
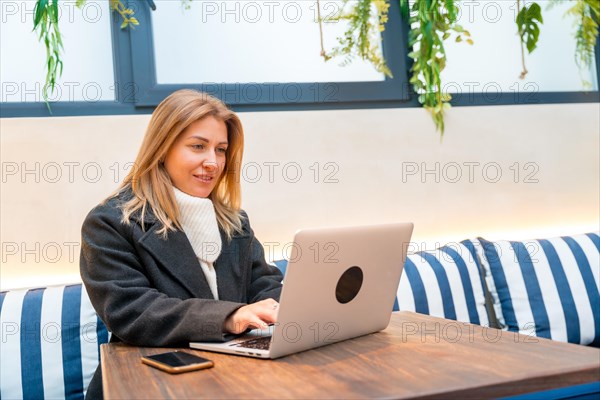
x=493 y=63
x=250 y=41
x=87 y=56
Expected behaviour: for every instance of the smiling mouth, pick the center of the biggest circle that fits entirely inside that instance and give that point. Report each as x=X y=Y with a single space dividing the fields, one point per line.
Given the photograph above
x=204 y=178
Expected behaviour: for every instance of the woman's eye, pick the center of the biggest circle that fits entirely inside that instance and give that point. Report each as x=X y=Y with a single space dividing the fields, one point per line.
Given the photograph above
x=222 y=150
x=197 y=146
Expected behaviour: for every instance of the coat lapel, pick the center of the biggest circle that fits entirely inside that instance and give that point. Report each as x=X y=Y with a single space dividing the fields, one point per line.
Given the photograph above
x=178 y=258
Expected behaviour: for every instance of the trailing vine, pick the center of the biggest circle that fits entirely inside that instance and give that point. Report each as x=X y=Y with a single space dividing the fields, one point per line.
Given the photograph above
x=586 y=14
x=528 y=24
x=45 y=22
x=362 y=37
x=431 y=23
x=125 y=13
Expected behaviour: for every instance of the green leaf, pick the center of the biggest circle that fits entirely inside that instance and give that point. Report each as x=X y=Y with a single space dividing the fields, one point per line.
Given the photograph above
x=404 y=8
x=54 y=8
x=535 y=12
x=40 y=9
x=533 y=38
x=58 y=37
x=451 y=9
x=414 y=79
x=51 y=63
x=528 y=21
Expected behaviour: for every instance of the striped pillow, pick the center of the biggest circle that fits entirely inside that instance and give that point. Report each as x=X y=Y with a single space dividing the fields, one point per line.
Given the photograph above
x=446 y=283
x=50 y=343
x=548 y=287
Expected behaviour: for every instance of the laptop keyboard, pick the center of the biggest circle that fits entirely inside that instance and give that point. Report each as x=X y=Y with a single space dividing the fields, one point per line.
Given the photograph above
x=261 y=343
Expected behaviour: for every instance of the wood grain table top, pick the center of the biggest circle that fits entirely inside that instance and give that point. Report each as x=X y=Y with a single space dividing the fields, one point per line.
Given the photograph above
x=417 y=356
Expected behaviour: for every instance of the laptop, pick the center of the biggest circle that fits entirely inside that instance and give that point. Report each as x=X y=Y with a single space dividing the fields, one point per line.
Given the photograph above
x=340 y=283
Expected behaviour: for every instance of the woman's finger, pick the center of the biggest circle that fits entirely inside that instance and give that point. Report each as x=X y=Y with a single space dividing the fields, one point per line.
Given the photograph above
x=256 y=315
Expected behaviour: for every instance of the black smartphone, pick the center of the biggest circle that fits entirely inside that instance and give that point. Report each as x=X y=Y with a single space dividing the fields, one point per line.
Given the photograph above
x=176 y=362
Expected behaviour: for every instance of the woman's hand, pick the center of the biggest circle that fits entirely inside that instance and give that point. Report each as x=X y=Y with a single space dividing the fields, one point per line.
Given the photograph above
x=255 y=315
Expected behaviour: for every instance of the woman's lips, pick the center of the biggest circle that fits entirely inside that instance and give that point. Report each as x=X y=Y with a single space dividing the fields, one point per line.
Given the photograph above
x=204 y=178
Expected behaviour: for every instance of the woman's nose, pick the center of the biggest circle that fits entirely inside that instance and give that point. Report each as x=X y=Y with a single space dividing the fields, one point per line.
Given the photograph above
x=210 y=162
x=210 y=166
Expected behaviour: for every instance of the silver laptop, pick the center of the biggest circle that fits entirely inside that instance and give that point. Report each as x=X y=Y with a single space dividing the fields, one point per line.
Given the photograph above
x=340 y=283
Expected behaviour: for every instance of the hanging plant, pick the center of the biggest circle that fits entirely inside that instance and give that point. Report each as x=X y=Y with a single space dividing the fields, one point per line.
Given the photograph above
x=362 y=37
x=528 y=24
x=431 y=23
x=125 y=13
x=586 y=14
x=45 y=22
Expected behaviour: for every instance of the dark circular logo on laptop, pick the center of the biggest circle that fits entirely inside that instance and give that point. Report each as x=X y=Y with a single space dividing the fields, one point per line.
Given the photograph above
x=349 y=285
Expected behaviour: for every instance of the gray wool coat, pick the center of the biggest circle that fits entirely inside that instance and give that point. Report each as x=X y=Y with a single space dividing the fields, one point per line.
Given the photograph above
x=152 y=292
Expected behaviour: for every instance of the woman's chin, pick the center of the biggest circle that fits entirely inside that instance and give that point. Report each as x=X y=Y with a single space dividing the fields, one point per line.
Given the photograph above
x=197 y=192
x=203 y=194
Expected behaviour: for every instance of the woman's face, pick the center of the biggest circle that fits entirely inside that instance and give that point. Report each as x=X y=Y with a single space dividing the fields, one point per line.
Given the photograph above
x=197 y=158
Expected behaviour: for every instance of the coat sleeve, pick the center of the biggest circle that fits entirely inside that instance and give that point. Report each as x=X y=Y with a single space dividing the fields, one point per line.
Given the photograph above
x=124 y=298
x=265 y=281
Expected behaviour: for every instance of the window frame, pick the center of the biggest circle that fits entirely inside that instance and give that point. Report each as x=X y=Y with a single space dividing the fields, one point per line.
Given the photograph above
x=121 y=105
x=136 y=91
x=152 y=93
x=530 y=98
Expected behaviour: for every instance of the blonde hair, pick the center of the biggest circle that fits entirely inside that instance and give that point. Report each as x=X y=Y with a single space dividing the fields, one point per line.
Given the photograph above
x=149 y=181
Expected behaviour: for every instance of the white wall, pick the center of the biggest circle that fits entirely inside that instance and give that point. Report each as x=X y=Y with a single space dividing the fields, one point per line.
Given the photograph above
x=377 y=156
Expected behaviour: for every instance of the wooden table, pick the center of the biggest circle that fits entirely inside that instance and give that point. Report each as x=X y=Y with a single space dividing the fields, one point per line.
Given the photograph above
x=416 y=356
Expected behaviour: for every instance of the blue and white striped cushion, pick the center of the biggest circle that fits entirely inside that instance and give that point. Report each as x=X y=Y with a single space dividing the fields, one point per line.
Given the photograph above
x=446 y=283
x=548 y=287
x=50 y=343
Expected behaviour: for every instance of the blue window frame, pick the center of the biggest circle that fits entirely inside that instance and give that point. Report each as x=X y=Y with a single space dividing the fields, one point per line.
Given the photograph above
x=137 y=90
x=531 y=97
x=316 y=95
x=313 y=95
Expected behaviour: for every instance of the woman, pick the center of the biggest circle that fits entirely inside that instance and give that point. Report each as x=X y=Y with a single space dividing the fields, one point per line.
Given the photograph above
x=170 y=257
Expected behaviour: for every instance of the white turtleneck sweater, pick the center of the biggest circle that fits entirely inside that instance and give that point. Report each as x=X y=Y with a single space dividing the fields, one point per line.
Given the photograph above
x=199 y=222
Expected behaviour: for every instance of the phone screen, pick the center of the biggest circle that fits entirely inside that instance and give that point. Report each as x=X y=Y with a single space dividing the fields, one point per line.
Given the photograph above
x=177 y=359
